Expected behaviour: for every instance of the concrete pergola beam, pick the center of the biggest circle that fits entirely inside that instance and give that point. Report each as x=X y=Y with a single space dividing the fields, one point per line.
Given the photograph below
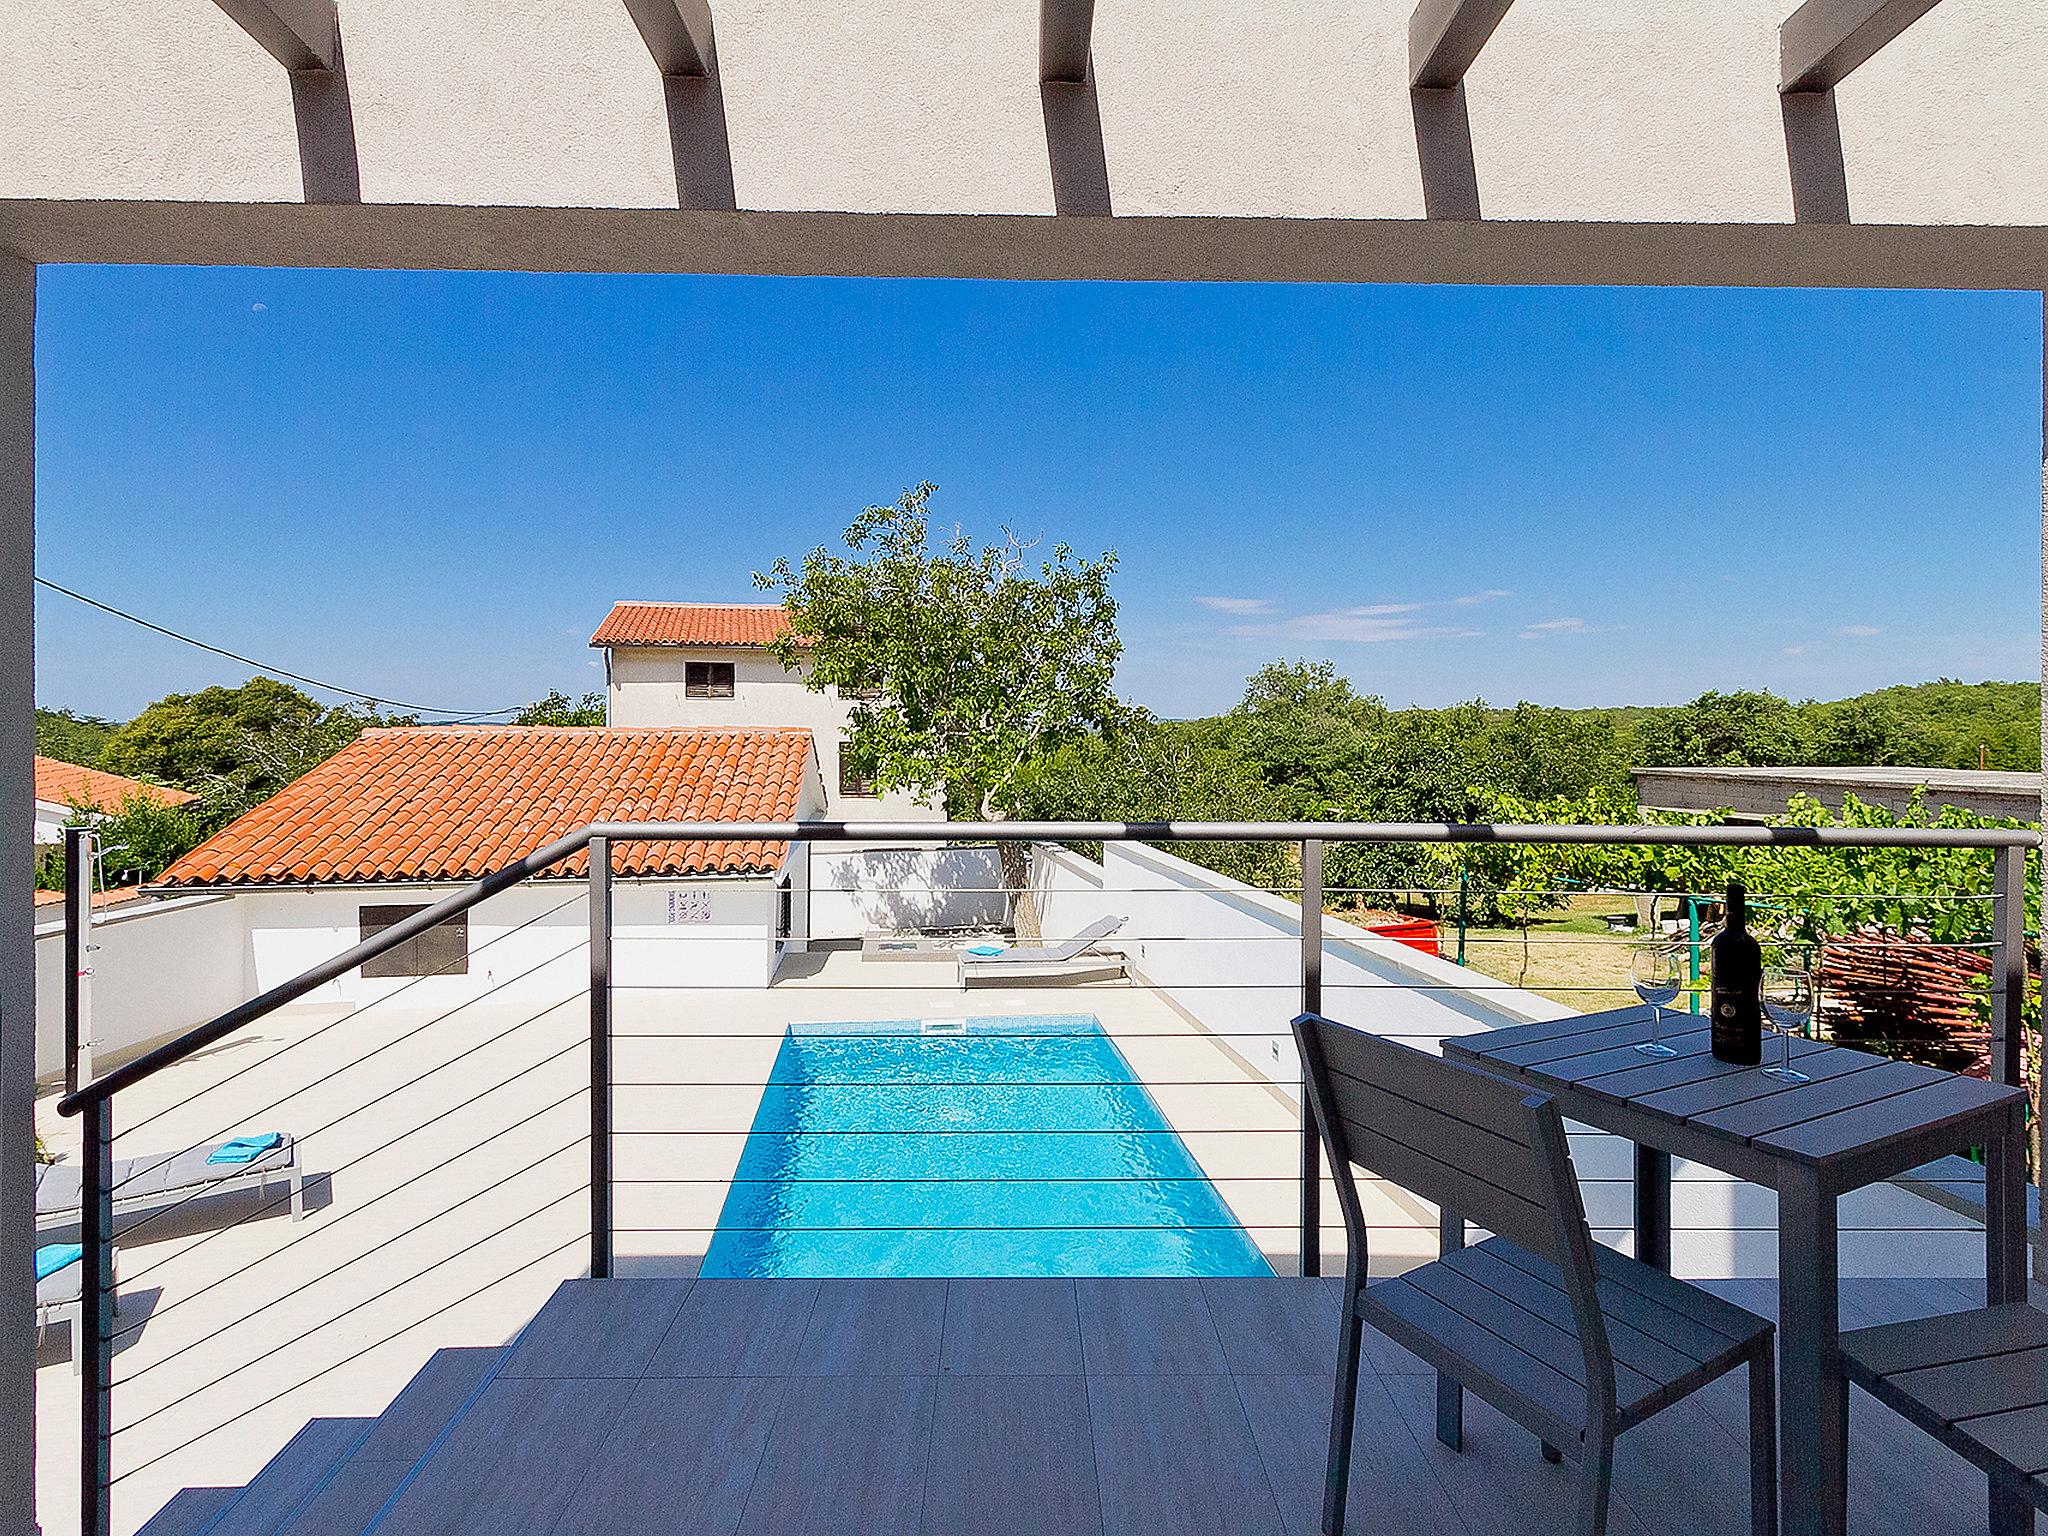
x=299 y=34
x=677 y=33
x=1445 y=36
x=1064 y=29
x=1823 y=41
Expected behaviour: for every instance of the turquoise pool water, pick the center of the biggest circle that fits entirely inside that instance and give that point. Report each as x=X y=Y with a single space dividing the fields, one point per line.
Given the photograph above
x=1016 y=1146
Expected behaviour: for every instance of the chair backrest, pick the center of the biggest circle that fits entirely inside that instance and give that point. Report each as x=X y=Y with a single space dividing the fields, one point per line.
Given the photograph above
x=1470 y=1143
x=1464 y=1140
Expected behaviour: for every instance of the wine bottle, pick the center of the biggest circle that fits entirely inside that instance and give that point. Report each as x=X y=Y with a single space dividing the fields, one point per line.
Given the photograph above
x=1736 y=1000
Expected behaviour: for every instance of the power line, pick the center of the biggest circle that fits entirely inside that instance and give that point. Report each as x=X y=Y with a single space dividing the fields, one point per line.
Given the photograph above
x=456 y=717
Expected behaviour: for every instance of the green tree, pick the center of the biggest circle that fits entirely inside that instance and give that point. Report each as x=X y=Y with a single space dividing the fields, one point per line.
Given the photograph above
x=235 y=746
x=1743 y=729
x=70 y=737
x=964 y=663
x=138 y=839
x=559 y=709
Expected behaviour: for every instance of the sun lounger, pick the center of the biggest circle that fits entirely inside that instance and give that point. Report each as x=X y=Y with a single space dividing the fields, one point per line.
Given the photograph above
x=1071 y=961
x=163 y=1179
x=58 y=1299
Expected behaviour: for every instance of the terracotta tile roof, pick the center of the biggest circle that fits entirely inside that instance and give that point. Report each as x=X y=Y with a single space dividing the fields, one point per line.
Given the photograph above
x=120 y=895
x=68 y=784
x=454 y=803
x=709 y=624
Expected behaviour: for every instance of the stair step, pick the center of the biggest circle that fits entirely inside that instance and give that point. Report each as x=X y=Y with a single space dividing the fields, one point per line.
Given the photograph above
x=189 y=1512
x=289 y=1477
x=403 y=1433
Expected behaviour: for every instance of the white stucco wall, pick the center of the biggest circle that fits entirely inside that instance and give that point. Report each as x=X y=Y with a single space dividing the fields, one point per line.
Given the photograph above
x=855 y=890
x=1229 y=958
x=158 y=969
x=645 y=686
x=528 y=943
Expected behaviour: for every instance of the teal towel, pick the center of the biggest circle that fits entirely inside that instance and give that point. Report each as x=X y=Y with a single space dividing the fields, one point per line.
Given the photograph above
x=52 y=1257
x=244 y=1149
x=984 y=949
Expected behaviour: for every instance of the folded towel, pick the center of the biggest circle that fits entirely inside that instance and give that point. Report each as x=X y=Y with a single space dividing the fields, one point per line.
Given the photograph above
x=984 y=949
x=244 y=1149
x=52 y=1257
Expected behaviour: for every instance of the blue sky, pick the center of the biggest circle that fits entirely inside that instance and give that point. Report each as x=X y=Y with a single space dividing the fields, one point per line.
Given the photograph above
x=431 y=486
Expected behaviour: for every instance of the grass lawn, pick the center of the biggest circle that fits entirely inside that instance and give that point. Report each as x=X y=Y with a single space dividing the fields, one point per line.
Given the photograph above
x=1570 y=956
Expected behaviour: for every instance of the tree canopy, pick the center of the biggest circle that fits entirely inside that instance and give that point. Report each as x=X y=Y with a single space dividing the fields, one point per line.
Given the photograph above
x=964 y=663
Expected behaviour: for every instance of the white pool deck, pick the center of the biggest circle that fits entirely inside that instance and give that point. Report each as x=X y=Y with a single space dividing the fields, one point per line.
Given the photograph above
x=448 y=1191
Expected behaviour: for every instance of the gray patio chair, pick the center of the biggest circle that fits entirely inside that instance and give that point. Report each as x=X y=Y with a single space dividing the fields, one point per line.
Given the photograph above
x=160 y=1179
x=58 y=1299
x=1051 y=962
x=1976 y=1381
x=1571 y=1340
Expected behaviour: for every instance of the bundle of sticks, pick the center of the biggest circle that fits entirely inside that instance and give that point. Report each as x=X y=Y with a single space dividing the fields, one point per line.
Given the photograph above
x=1901 y=994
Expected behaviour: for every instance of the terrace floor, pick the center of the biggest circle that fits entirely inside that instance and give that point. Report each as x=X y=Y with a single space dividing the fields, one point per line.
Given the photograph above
x=1054 y=1407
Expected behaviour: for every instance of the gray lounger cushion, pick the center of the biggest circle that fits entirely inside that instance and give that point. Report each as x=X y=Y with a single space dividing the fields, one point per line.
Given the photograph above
x=157 y=1176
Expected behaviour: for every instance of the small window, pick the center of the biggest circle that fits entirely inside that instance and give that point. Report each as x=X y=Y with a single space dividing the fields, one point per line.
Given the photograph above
x=442 y=950
x=853 y=785
x=707 y=679
x=785 y=911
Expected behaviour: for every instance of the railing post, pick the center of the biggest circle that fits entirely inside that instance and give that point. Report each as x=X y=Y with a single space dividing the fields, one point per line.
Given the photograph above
x=77 y=913
x=2009 y=985
x=600 y=1058
x=1311 y=1002
x=94 y=1335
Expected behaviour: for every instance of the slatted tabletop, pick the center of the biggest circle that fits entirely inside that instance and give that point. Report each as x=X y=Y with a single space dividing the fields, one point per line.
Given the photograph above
x=1855 y=1104
x=1860 y=1119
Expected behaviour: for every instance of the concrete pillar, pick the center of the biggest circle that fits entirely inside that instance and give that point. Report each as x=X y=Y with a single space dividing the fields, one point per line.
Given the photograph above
x=17 y=928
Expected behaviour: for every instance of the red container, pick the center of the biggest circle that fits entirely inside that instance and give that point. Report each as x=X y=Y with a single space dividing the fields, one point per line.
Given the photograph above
x=1417 y=933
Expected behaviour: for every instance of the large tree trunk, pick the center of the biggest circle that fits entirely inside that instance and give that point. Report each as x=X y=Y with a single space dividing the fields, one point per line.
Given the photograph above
x=1015 y=859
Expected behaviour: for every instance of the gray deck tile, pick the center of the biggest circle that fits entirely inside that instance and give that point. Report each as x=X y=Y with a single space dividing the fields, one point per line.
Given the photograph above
x=847 y=1458
x=1011 y=1328
x=513 y=1462
x=680 y=1448
x=875 y=1328
x=1272 y=1327
x=1012 y=1454
x=405 y=1430
x=346 y=1505
x=597 y=1328
x=737 y=1328
x=1148 y=1327
x=290 y=1476
x=1393 y=1489
x=1174 y=1453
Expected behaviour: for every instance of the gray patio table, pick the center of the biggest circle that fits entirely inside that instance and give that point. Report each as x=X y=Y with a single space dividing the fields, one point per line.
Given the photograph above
x=1861 y=1119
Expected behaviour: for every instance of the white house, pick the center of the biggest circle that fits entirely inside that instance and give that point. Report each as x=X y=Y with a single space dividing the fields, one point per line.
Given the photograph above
x=709 y=664
x=403 y=817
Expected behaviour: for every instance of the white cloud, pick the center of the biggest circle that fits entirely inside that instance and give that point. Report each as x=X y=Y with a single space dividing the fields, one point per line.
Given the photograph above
x=258 y=308
x=1237 y=605
x=1355 y=628
x=1491 y=594
x=1795 y=650
x=1549 y=627
x=1857 y=631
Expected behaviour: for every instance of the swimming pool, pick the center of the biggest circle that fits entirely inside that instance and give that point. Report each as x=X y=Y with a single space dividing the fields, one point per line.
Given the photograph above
x=1015 y=1146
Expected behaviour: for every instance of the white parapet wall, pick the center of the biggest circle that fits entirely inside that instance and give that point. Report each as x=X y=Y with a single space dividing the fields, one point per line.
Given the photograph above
x=904 y=889
x=158 y=968
x=1227 y=956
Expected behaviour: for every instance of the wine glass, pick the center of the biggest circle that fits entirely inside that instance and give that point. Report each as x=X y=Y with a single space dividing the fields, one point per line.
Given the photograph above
x=1788 y=1004
x=1655 y=972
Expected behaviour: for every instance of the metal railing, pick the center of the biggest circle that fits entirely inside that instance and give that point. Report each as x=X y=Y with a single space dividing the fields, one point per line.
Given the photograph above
x=93 y=1101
